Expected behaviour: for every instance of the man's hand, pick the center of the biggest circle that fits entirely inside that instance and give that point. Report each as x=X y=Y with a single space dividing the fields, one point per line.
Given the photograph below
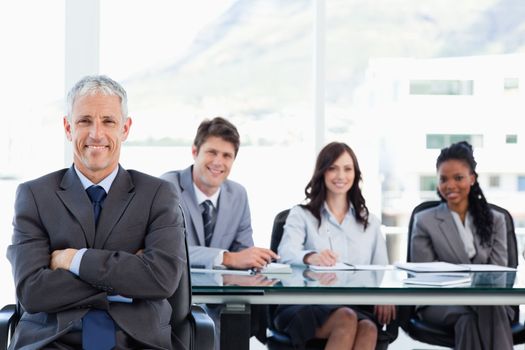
x=249 y=258
x=385 y=313
x=326 y=257
x=61 y=259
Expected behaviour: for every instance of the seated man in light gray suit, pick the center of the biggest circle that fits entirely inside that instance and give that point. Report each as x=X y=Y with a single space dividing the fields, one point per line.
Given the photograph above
x=96 y=249
x=217 y=214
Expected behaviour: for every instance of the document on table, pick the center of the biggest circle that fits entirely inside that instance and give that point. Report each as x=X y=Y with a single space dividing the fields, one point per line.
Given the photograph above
x=343 y=266
x=488 y=268
x=276 y=268
x=436 y=266
x=442 y=279
x=224 y=271
x=440 y=266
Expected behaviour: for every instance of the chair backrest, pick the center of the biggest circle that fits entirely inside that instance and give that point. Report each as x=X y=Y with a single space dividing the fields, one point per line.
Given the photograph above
x=417 y=209
x=181 y=327
x=278 y=229
x=512 y=246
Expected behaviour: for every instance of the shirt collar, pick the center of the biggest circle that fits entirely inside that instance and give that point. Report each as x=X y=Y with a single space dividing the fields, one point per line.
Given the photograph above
x=326 y=211
x=105 y=183
x=457 y=219
x=201 y=197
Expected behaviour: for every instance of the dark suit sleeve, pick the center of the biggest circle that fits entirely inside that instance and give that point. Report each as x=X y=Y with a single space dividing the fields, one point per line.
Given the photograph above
x=154 y=273
x=421 y=247
x=39 y=289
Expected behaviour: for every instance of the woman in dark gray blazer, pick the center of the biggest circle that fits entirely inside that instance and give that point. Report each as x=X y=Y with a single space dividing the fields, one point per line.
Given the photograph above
x=463 y=230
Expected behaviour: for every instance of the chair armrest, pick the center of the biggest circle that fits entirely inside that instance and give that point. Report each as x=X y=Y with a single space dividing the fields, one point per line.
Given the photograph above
x=7 y=316
x=203 y=329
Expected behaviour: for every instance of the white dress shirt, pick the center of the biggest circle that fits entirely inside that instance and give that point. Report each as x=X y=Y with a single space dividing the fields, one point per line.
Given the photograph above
x=466 y=232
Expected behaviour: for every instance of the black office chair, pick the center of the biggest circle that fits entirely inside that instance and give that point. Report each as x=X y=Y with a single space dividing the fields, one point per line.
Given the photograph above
x=281 y=341
x=433 y=334
x=192 y=328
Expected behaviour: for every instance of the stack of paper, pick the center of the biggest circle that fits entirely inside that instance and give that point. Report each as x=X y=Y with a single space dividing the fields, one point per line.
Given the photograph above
x=431 y=279
x=436 y=266
x=440 y=266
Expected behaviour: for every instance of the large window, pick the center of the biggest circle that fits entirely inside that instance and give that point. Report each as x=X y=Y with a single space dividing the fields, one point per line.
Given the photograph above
x=402 y=79
x=31 y=136
x=406 y=78
x=248 y=61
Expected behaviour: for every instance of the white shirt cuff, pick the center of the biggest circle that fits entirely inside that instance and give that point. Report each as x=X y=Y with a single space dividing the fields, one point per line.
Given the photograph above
x=77 y=259
x=219 y=258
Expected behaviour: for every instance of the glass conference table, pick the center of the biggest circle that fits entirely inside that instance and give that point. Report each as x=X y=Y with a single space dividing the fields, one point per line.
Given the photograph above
x=364 y=287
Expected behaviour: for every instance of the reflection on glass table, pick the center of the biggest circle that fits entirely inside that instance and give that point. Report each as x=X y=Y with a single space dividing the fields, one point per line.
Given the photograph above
x=356 y=287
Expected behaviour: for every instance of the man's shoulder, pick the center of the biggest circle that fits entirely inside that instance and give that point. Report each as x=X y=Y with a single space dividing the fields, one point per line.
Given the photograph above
x=233 y=186
x=178 y=177
x=140 y=178
x=173 y=175
x=45 y=180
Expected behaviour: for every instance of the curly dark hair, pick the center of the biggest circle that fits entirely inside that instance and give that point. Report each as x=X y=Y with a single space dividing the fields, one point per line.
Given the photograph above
x=478 y=205
x=315 y=190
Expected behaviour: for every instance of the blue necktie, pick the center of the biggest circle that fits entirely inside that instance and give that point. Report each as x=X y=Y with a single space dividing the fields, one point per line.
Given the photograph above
x=98 y=328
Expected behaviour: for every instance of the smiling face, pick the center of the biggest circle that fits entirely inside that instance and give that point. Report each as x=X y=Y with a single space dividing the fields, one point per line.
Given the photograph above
x=97 y=130
x=455 y=180
x=213 y=162
x=339 y=177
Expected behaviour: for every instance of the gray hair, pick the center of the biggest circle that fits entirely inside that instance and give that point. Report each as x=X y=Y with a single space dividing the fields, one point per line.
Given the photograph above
x=101 y=84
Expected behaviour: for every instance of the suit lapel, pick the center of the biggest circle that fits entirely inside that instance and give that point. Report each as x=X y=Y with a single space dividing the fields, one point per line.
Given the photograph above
x=118 y=199
x=190 y=201
x=76 y=200
x=451 y=234
x=224 y=214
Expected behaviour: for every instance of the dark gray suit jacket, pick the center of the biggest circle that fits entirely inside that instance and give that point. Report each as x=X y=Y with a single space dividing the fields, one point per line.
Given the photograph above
x=436 y=238
x=54 y=212
x=233 y=229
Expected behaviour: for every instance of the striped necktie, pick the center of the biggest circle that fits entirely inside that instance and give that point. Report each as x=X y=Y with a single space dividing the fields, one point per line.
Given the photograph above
x=208 y=219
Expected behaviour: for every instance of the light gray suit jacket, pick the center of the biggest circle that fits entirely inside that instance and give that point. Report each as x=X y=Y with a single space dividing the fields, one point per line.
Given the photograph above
x=435 y=237
x=233 y=229
x=54 y=212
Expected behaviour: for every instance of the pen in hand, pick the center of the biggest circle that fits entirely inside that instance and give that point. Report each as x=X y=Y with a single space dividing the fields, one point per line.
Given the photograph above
x=332 y=251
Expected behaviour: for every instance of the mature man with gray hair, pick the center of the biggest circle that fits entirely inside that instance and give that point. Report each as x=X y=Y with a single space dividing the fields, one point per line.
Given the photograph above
x=96 y=249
